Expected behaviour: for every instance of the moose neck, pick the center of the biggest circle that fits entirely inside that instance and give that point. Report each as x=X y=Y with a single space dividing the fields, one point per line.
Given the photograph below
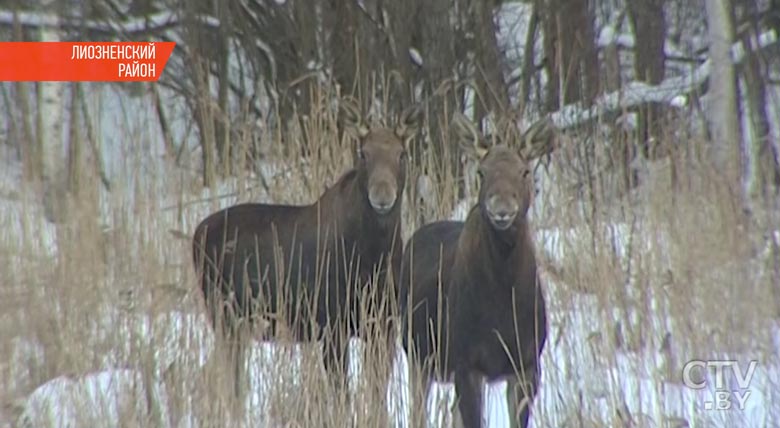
x=501 y=254
x=348 y=203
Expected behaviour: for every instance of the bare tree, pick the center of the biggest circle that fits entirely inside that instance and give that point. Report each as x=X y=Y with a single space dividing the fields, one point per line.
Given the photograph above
x=649 y=23
x=762 y=156
x=50 y=119
x=29 y=144
x=529 y=54
x=438 y=44
x=571 y=60
x=489 y=64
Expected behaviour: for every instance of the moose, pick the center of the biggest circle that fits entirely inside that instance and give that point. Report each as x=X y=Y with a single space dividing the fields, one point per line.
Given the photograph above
x=304 y=268
x=475 y=310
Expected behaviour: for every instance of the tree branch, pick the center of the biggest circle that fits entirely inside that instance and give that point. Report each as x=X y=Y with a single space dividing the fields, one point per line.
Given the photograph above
x=635 y=94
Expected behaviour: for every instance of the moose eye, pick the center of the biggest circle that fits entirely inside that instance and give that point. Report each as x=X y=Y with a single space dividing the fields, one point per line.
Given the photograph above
x=526 y=173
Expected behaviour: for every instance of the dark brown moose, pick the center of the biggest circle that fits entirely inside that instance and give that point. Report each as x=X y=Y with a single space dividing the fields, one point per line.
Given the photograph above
x=305 y=267
x=474 y=303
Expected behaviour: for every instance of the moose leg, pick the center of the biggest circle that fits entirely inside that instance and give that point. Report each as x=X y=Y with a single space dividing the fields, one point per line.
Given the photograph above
x=468 y=388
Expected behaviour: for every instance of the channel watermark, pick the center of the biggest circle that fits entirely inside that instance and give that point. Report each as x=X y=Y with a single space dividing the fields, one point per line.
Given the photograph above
x=725 y=395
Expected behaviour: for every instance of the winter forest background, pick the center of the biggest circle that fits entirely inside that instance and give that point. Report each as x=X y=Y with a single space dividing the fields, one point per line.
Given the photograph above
x=657 y=215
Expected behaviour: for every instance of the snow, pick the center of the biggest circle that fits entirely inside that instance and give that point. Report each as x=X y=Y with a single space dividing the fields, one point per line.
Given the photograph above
x=416 y=57
x=513 y=21
x=574 y=338
x=102 y=399
x=425 y=187
x=637 y=380
x=167 y=335
x=610 y=36
x=631 y=95
x=462 y=209
x=764 y=39
x=635 y=93
x=607 y=36
x=679 y=101
x=767 y=38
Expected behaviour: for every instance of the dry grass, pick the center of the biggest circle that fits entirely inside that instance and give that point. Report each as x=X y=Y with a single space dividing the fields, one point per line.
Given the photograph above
x=102 y=289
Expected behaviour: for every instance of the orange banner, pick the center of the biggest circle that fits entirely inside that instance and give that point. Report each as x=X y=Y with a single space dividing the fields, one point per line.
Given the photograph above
x=84 y=61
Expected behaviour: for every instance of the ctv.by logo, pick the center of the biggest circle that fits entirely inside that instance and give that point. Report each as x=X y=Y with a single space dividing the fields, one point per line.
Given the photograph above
x=695 y=373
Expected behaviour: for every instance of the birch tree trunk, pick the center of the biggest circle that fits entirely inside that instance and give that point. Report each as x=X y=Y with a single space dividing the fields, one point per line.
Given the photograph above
x=50 y=128
x=724 y=120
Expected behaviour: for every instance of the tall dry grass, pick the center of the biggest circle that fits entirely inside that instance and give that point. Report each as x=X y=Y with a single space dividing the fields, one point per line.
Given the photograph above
x=690 y=276
x=677 y=269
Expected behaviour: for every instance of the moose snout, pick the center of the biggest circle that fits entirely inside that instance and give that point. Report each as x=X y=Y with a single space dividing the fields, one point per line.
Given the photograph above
x=382 y=197
x=501 y=211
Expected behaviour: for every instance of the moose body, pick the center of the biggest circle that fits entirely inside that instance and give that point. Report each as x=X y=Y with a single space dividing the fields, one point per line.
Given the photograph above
x=312 y=259
x=307 y=266
x=477 y=312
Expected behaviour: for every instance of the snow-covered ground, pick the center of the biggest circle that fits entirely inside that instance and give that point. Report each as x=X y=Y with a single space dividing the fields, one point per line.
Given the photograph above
x=581 y=374
x=577 y=380
x=102 y=399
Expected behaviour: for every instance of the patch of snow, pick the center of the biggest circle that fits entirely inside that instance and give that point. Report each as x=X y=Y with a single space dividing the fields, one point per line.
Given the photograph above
x=764 y=39
x=767 y=38
x=556 y=242
x=606 y=36
x=628 y=121
x=462 y=209
x=679 y=101
x=172 y=338
x=426 y=189
x=609 y=35
x=636 y=382
x=110 y=398
x=635 y=93
x=416 y=57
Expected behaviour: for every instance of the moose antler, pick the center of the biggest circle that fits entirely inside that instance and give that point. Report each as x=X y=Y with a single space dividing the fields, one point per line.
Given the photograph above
x=352 y=118
x=537 y=140
x=409 y=122
x=468 y=136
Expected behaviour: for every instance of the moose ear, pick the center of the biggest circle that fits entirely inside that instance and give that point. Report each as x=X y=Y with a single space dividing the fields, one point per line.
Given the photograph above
x=469 y=138
x=409 y=122
x=537 y=140
x=352 y=119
